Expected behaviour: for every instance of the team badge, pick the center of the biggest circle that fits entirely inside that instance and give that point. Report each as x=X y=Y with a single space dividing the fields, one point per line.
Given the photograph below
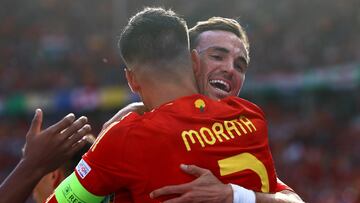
x=200 y=104
x=83 y=168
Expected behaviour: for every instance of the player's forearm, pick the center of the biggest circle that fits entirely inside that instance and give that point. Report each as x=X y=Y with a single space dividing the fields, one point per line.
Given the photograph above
x=285 y=196
x=18 y=186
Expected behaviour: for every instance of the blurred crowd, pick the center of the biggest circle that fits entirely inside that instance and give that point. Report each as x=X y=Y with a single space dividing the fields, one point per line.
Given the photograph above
x=51 y=45
x=314 y=138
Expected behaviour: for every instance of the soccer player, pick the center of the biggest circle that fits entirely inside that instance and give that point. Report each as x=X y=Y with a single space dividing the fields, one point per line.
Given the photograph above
x=140 y=153
x=224 y=58
x=50 y=181
x=44 y=151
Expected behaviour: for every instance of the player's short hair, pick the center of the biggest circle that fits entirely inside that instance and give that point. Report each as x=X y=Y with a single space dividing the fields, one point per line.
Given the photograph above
x=154 y=36
x=217 y=23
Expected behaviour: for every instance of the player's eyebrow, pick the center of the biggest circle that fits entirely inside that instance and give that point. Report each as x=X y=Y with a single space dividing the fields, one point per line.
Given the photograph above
x=225 y=51
x=215 y=48
x=221 y=49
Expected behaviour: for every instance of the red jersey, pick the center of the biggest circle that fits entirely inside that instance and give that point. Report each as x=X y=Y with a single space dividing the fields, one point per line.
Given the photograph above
x=142 y=153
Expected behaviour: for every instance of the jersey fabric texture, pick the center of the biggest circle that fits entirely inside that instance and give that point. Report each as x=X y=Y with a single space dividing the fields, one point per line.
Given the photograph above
x=142 y=153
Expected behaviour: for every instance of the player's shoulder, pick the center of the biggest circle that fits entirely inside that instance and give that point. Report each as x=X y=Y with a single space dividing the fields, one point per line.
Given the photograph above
x=127 y=122
x=240 y=102
x=120 y=128
x=130 y=119
x=115 y=136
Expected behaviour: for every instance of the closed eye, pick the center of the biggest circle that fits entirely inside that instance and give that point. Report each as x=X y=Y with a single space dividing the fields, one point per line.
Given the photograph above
x=240 y=65
x=217 y=57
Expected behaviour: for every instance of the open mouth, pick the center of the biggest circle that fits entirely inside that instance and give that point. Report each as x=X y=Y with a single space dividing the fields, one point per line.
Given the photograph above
x=221 y=85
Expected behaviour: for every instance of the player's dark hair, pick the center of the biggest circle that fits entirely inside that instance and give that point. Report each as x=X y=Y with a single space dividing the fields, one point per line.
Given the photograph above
x=70 y=165
x=217 y=23
x=154 y=36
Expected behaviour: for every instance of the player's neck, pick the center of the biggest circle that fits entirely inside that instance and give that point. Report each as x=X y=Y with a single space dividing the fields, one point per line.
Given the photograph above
x=161 y=93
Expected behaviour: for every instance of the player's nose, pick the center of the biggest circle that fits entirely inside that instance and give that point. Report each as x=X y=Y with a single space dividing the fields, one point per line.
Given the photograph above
x=228 y=67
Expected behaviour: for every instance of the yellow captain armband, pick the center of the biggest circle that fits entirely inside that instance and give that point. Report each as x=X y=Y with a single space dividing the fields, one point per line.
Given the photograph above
x=71 y=190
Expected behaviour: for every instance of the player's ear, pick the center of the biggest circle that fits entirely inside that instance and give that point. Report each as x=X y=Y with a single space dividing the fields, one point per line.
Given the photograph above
x=195 y=58
x=57 y=177
x=133 y=84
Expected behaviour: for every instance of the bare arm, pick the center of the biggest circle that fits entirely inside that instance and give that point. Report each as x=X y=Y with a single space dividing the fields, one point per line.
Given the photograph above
x=207 y=188
x=285 y=196
x=44 y=151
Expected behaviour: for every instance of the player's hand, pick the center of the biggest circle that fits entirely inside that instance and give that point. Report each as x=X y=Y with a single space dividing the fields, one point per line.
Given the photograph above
x=48 y=149
x=137 y=107
x=206 y=188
